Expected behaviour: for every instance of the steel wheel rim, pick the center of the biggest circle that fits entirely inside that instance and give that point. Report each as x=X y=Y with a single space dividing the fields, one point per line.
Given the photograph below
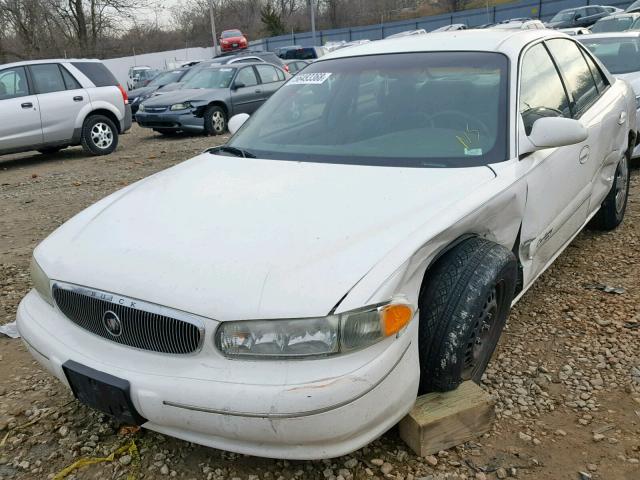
x=101 y=135
x=217 y=119
x=485 y=332
x=622 y=177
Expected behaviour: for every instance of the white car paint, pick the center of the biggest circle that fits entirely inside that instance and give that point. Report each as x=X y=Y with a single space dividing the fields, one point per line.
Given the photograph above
x=632 y=78
x=228 y=238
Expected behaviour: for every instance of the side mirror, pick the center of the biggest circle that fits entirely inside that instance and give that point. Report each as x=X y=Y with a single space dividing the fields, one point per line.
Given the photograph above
x=577 y=17
x=237 y=121
x=237 y=85
x=552 y=132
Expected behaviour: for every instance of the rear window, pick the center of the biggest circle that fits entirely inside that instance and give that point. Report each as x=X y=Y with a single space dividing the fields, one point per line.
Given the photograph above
x=301 y=54
x=97 y=73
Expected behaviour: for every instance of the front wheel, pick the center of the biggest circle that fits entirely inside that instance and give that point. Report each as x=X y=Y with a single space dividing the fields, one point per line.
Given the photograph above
x=464 y=304
x=99 y=135
x=215 y=120
x=612 y=210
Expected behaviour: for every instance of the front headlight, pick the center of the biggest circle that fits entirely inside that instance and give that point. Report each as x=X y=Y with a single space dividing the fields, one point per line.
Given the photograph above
x=141 y=107
x=41 y=282
x=312 y=337
x=181 y=106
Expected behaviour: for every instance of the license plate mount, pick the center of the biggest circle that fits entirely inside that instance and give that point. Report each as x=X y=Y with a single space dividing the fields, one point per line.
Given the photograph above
x=103 y=392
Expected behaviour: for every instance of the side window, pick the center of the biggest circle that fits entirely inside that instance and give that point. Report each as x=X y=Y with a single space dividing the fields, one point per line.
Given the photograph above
x=268 y=74
x=47 y=78
x=70 y=82
x=576 y=72
x=247 y=77
x=542 y=93
x=601 y=81
x=281 y=76
x=13 y=83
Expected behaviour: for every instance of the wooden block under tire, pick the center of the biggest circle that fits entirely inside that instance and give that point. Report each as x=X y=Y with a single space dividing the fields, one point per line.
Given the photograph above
x=439 y=421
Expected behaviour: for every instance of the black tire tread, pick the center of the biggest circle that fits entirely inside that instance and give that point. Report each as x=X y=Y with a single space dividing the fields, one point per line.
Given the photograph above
x=442 y=297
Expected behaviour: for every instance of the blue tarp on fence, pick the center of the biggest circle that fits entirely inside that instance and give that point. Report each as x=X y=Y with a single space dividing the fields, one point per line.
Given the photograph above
x=542 y=9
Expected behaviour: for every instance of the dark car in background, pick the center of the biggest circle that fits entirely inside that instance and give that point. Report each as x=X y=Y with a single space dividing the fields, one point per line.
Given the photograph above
x=210 y=97
x=232 y=40
x=303 y=53
x=165 y=78
x=578 y=17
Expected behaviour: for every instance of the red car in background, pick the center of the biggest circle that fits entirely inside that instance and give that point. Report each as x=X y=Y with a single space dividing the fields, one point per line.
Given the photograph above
x=233 y=40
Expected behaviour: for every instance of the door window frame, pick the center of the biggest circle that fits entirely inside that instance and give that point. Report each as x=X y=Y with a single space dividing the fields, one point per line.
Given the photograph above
x=31 y=76
x=30 y=89
x=239 y=69
x=572 y=102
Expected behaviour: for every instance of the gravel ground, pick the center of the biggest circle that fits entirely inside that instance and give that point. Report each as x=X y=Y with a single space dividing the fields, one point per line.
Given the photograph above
x=566 y=376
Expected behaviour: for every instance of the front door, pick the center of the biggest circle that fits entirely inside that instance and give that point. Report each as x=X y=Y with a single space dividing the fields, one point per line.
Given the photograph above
x=246 y=94
x=61 y=99
x=21 y=126
x=558 y=179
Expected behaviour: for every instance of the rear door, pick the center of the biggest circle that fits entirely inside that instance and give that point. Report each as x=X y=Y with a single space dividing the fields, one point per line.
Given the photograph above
x=272 y=79
x=20 y=124
x=246 y=92
x=61 y=99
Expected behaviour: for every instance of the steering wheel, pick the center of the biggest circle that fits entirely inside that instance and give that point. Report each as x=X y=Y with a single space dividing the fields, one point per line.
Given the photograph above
x=462 y=120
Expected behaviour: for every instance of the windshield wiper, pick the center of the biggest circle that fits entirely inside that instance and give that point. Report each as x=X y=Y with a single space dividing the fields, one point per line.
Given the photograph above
x=236 y=152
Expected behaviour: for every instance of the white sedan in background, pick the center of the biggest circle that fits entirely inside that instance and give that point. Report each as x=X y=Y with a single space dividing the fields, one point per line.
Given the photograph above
x=620 y=54
x=359 y=241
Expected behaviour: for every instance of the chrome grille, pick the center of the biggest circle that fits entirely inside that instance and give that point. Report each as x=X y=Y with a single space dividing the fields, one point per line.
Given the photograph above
x=154 y=109
x=142 y=325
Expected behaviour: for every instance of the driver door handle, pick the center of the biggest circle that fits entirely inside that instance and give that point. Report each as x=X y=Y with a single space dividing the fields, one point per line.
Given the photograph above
x=27 y=105
x=622 y=118
x=584 y=154
x=258 y=90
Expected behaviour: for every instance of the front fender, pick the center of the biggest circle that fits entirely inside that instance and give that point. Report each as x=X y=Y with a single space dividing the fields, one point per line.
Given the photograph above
x=494 y=212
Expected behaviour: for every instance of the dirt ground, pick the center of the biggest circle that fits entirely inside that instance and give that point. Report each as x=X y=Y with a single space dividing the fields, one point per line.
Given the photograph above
x=566 y=376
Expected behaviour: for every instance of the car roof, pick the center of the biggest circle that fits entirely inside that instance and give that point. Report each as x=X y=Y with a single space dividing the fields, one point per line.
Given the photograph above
x=489 y=40
x=49 y=60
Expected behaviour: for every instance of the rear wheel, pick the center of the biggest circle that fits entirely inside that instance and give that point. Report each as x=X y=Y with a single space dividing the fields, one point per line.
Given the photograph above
x=612 y=210
x=464 y=305
x=215 y=120
x=99 y=135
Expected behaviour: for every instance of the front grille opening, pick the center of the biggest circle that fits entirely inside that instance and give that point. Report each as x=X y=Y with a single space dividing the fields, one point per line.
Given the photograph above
x=139 y=328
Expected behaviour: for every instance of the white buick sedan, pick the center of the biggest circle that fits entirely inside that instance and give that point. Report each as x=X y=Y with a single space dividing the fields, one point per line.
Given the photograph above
x=358 y=241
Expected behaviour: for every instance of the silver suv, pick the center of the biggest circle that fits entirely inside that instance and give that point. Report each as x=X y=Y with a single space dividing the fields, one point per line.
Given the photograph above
x=48 y=105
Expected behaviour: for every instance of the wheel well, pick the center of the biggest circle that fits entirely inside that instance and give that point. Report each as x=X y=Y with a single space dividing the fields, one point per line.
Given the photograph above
x=221 y=105
x=467 y=236
x=107 y=113
x=633 y=138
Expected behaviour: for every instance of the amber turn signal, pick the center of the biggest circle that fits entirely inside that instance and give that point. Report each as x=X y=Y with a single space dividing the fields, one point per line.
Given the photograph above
x=395 y=317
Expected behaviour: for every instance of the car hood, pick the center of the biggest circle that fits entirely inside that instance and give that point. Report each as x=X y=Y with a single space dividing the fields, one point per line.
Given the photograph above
x=140 y=92
x=562 y=24
x=182 y=95
x=231 y=238
x=633 y=79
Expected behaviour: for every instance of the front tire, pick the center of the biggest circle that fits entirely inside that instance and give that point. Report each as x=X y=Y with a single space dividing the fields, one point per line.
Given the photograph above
x=99 y=135
x=215 y=120
x=613 y=207
x=464 y=304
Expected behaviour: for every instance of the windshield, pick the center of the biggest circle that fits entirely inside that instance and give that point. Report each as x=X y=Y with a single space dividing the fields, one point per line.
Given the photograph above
x=165 y=78
x=564 y=16
x=634 y=6
x=619 y=55
x=231 y=33
x=211 y=78
x=438 y=109
x=615 y=24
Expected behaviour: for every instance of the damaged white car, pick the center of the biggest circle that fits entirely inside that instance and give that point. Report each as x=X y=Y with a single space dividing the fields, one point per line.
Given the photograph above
x=359 y=241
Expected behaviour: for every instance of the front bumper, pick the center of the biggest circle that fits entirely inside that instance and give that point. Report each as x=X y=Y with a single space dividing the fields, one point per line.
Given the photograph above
x=179 y=121
x=305 y=409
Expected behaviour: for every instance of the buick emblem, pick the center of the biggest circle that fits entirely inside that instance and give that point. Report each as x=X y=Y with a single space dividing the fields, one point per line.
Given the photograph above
x=112 y=323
